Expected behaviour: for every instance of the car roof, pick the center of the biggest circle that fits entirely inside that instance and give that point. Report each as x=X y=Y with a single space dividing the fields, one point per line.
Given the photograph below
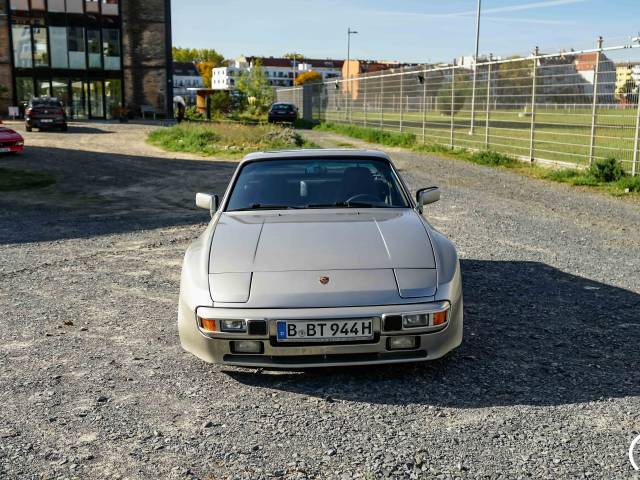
x=310 y=153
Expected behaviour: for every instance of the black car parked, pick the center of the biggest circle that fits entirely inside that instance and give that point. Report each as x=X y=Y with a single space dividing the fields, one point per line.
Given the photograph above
x=283 y=112
x=45 y=112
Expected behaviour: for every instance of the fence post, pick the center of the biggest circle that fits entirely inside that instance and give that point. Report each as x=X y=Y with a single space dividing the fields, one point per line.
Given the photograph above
x=381 y=100
x=536 y=52
x=451 y=113
x=364 y=100
x=594 y=106
x=401 y=99
x=486 y=125
x=636 y=143
x=424 y=106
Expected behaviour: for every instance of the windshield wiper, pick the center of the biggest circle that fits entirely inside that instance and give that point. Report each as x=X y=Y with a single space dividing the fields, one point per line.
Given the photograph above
x=264 y=206
x=341 y=205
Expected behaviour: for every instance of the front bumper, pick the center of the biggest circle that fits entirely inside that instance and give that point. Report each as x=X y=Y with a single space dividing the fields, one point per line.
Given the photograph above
x=431 y=344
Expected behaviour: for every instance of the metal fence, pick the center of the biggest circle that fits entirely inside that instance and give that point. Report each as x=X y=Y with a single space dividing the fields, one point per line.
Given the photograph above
x=569 y=108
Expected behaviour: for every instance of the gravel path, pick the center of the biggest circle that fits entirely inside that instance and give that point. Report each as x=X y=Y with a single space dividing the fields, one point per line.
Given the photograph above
x=95 y=385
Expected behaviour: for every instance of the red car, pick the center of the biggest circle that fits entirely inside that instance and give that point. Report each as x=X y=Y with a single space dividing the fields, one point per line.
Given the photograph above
x=10 y=140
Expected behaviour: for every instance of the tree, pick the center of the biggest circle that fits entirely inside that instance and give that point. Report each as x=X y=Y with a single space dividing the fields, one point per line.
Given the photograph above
x=205 y=69
x=461 y=91
x=294 y=56
x=516 y=81
x=253 y=84
x=308 y=77
x=197 y=55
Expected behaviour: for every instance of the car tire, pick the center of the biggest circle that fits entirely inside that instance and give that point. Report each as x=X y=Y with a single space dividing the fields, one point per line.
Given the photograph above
x=64 y=128
x=29 y=129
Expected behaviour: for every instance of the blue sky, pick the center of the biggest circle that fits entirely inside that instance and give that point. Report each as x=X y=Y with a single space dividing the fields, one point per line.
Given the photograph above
x=405 y=30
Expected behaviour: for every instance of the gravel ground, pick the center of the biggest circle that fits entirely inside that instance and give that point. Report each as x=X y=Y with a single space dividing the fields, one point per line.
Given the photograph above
x=94 y=384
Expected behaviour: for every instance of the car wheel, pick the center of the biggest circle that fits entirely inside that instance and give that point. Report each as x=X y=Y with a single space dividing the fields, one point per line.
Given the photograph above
x=64 y=128
x=29 y=129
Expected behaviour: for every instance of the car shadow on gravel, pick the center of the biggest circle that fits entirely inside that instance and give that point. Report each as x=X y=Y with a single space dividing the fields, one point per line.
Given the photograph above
x=102 y=193
x=534 y=335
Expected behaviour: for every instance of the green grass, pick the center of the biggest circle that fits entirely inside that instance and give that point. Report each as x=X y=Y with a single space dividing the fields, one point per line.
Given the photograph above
x=606 y=174
x=371 y=135
x=225 y=139
x=562 y=134
x=12 y=180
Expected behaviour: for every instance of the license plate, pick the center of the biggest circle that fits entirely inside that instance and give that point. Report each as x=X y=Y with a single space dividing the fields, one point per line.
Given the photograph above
x=4 y=150
x=325 y=330
x=46 y=120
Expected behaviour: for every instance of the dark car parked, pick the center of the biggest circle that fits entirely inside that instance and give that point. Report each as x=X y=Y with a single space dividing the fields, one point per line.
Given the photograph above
x=45 y=112
x=283 y=112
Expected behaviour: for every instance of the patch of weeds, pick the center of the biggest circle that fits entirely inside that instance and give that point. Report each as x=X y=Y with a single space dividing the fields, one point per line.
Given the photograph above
x=494 y=159
x=607 y=170
x=12 y=180
x=629 y=184
x=224 y=139
x=371 y=135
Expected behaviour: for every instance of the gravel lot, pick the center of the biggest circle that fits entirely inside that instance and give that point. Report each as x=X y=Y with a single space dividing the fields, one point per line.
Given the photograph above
x=94 y=384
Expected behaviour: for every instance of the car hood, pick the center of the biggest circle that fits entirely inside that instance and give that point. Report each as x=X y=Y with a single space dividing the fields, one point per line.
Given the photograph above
x=8 y=134
x=276 y=259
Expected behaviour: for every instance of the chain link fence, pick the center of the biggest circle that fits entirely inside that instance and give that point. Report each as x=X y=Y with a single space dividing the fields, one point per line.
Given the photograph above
x=568 y=108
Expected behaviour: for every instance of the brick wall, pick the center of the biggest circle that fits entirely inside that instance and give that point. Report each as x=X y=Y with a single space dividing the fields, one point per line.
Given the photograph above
x=145 y=26
x=6 y=99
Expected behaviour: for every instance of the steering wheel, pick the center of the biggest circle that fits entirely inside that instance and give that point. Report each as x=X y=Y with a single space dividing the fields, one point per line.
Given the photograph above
x=362 y=197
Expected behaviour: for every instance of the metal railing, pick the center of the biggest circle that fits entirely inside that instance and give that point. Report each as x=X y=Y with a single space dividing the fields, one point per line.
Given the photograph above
x=566 y=108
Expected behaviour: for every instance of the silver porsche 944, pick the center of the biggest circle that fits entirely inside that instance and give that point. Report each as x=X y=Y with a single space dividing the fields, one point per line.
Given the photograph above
x=319 y=258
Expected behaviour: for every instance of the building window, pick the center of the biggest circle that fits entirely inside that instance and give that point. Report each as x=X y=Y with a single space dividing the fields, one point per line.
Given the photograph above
x=22 y=53
x=56 y=5
x=113 y=95
x=75 y=6
x=77 y=59
x=92 y=6
x=40 y=49
x=44 y=88
x=59 y=54
x=110 y=7
x=95 y=98
x=60 y=90
x=93 y=47
x=79 y=108
x=20 y=5
x=24 y=89
x=111 y=48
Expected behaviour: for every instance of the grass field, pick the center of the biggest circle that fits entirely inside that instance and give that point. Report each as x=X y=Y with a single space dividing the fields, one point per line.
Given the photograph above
x=605 y=174
x=562 y=135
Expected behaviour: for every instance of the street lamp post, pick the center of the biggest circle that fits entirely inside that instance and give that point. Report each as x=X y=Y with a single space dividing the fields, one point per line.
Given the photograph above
x=349 y=33
x=475 y=69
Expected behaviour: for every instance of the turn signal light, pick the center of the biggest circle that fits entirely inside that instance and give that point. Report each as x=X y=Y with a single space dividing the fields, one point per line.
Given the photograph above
x=439 y=318
x=208 y=324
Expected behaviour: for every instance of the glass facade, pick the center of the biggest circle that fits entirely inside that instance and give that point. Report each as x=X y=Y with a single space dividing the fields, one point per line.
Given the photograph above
x=70 y=49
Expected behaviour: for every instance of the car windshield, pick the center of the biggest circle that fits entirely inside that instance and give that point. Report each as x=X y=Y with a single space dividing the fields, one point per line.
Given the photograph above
x=282 y=106
x=316 y=183
x=49 y=102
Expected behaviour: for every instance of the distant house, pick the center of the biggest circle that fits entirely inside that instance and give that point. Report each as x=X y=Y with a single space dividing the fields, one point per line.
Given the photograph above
x=586 y=67
x=280 y=72
x=186 y=77
x=627 y=80
x=356 y=68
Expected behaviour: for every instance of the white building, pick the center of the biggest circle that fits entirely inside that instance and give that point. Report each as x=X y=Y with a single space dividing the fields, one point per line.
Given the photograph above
x=185 y=77
x=280 y=72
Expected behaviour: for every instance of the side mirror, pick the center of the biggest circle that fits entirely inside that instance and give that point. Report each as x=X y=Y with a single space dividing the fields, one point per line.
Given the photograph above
x=208 y=202
x=428 y=195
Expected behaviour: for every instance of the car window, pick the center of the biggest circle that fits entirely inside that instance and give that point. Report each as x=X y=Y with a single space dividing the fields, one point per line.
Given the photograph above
x=283 y=107
x=316 y=183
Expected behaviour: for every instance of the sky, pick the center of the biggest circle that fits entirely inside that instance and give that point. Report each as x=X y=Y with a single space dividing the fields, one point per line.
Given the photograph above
x=421 y=31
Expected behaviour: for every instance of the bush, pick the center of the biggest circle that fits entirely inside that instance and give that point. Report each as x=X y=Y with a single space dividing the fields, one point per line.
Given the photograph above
x=607 y=170
x=632 y=184
x=191 y=113
x=220 y=103
x=489 y=157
